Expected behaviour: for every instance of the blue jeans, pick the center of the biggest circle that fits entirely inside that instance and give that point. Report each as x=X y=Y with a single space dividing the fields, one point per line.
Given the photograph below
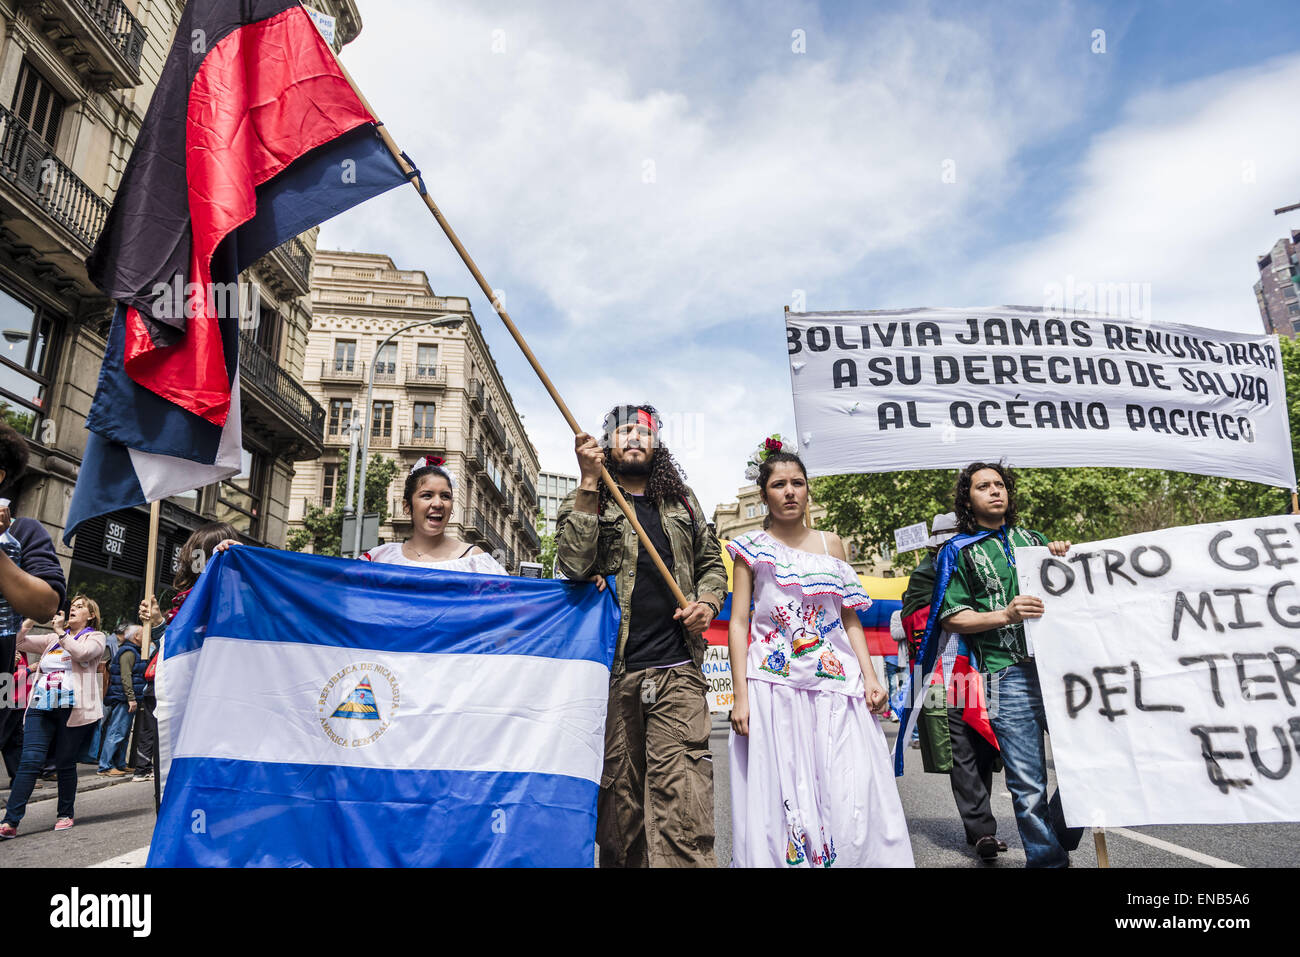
x=46 y=733
x=90 y=753
x=1016 y=711
x=117 y=725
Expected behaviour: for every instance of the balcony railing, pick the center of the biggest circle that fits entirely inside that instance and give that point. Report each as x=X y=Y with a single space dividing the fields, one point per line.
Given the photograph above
x=342 y=370
x=526 y=483
x=529 y=534
x=476 y=392
x=29 y=164
x=123 y=29
x=385 y=373
x=294 y=260
x=263 y=372
x=495 y=427
x=419 y=375
x=380 y=439
x=424 y=438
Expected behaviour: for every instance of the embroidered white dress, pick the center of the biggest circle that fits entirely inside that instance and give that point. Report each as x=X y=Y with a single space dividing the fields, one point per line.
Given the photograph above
x=478 y=564
x=813 y=784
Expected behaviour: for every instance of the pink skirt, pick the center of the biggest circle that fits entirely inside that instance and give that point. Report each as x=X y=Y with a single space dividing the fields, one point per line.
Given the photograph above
x=813 y=784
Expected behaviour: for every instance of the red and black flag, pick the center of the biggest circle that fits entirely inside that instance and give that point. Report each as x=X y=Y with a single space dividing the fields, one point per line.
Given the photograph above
x=253 y=135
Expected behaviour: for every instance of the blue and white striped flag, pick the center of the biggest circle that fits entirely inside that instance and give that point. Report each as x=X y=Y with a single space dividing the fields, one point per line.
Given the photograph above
x=322 y=712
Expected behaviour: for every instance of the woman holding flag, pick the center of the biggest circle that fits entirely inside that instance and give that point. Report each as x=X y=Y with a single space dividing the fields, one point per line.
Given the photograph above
x=428 y=497
x=810 y=773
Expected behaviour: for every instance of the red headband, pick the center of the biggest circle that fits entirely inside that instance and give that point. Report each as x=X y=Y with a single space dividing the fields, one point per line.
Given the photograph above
x=645 y=418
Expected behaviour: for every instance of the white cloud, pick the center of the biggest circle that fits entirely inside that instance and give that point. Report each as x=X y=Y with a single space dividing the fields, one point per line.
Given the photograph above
x=1179 y=194
x=772 y=171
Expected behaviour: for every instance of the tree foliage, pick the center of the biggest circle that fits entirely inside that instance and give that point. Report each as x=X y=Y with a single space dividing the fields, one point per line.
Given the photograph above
x=546 y=555
x=1076 y=504
x=322 y=529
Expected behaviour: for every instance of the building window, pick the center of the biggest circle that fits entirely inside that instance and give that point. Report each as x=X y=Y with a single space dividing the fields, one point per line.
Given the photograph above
x=422 y=420
x=381 y=419
x=24 y=356
x=1293 y=308
x=331 y=472
x=345 y=355
x=37 y=105
x=426 y=359
x=270 y=325
x=340 y=416
x=751 y=511
x=386 y=360
x=239 y=499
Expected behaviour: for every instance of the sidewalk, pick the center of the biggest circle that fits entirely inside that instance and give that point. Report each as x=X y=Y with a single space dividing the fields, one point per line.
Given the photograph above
x=87 y=780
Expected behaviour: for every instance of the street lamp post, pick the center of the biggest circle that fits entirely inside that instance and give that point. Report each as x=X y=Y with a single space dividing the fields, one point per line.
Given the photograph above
x=366 y=413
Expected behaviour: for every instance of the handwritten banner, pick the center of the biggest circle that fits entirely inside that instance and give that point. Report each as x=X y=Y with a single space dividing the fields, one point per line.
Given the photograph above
x=939 y=388
x=1170 y=669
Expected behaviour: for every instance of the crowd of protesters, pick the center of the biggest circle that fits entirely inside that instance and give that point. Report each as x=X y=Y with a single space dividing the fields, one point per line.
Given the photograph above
x=801 y=668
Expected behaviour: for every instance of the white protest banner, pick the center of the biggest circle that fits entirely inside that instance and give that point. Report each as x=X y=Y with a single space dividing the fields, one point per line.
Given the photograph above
x=911 y=537
x=1170 y=668
x=717 y=672
x=939 y=388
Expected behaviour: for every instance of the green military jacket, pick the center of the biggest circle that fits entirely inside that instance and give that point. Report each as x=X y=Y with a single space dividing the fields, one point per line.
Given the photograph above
x=607 y=544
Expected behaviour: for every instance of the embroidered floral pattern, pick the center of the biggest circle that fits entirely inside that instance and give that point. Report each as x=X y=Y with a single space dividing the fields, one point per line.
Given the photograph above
x=777 y=663
x=829 y=666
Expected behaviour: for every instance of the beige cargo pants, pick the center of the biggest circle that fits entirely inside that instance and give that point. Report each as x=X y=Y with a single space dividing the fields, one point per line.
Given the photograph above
x=656 y=791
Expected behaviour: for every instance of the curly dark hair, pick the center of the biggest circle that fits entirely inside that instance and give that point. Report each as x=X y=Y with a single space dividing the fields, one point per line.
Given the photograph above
x=13 y=458
x=666 y=479
x=961 y=494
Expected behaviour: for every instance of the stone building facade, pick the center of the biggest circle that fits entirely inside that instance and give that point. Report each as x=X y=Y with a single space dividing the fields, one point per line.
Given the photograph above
x=76 y=77
x=437 y=392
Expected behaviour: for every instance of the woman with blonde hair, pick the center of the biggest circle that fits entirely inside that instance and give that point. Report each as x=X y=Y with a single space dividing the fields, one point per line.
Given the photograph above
x=64 y=706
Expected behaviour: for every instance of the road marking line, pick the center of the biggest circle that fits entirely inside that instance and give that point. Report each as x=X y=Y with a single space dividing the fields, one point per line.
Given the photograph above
x=1178 y=849
x=134 y=858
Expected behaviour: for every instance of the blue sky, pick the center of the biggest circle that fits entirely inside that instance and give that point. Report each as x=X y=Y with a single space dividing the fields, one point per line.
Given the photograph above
x=651 y=183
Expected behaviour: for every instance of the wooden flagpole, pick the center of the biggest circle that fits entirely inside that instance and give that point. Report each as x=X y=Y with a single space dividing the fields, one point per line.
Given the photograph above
x=150 y=571
x=483 y=284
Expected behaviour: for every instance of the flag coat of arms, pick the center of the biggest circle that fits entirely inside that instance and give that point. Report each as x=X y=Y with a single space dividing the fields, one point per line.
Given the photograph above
x=317 y=711
x=253 y=135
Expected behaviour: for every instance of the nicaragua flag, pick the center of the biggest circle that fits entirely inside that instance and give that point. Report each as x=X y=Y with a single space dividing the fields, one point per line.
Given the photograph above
x=318 y=711
x=253 y=135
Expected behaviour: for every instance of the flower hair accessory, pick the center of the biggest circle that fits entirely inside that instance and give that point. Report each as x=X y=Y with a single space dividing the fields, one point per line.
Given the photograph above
x=773 y=443
x=438 y=464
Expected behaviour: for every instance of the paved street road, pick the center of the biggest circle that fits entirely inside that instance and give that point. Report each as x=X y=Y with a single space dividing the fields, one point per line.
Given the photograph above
x=115 y=820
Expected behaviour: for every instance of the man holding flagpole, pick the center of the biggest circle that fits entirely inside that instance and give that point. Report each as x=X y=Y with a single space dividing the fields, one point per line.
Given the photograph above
x=656 y=795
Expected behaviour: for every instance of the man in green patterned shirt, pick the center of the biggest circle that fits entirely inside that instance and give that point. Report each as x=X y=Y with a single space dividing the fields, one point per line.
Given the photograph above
x=983 y=602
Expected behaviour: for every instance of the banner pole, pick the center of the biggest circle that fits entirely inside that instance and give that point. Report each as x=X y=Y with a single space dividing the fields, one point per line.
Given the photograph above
x=1295 y=504
x=416 y=181
x=1099 y=839
x=150 y=571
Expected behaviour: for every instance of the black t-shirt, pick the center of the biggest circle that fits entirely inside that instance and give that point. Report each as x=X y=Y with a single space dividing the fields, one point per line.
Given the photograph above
x=654 y=637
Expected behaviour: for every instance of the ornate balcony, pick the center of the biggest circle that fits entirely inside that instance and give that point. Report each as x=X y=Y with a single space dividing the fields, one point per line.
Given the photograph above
x=423 y=439
x=495 y=427
x=529 y=534
x=342 y=370
x=475 y=390
x=287 y=268
x=277 y=405
x=525 y=483
x=101 y=39
x=35 y=181
x=425 y=377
